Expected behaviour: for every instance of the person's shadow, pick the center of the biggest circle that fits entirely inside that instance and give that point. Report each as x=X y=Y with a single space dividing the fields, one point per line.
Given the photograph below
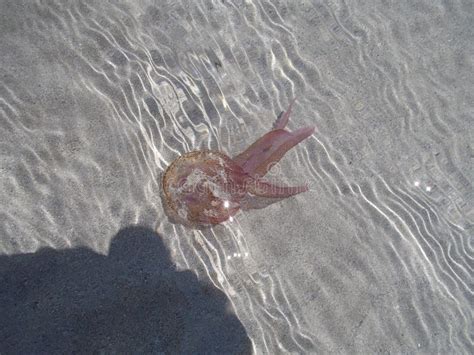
x=131 y=301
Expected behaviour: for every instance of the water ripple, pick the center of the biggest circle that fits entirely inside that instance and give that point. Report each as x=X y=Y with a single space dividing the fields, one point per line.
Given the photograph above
x=97 y=99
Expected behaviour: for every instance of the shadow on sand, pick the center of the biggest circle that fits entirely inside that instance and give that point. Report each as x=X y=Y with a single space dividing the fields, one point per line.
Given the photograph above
x=131 y=301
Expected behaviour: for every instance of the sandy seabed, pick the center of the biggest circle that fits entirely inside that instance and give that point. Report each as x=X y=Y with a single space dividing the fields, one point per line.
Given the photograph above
x=97 y=99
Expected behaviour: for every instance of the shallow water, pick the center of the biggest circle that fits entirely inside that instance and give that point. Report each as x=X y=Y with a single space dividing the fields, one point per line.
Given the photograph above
x=96 y=99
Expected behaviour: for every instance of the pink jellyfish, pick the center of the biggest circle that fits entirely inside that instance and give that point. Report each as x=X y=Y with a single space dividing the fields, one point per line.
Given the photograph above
x=207 y=187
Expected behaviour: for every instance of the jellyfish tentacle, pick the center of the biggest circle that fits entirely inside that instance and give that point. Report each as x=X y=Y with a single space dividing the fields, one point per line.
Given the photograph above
x=269 y=149
x=248 y=158
x=282 y=121
x=265 y=189
x=279 y=149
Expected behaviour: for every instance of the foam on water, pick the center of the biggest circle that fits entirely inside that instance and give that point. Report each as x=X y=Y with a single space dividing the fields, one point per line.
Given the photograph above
x=97 y=99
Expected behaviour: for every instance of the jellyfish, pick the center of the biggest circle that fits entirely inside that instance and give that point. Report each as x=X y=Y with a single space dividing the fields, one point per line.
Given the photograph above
x=207 y=187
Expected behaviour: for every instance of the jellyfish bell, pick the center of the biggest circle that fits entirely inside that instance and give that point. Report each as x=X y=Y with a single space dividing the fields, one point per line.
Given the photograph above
x=204 y=187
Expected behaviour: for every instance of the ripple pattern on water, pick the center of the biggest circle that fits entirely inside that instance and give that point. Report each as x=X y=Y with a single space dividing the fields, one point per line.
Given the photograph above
x=96 y=99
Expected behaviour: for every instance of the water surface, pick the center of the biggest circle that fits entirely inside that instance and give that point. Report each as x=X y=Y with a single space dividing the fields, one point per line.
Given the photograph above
x=97 y=98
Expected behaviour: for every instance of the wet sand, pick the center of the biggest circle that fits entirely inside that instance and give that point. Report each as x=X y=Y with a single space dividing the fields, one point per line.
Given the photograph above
x=97 y=99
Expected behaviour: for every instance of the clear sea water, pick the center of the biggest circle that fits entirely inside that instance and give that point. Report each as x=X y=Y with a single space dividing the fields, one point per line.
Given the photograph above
x=97 y=98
